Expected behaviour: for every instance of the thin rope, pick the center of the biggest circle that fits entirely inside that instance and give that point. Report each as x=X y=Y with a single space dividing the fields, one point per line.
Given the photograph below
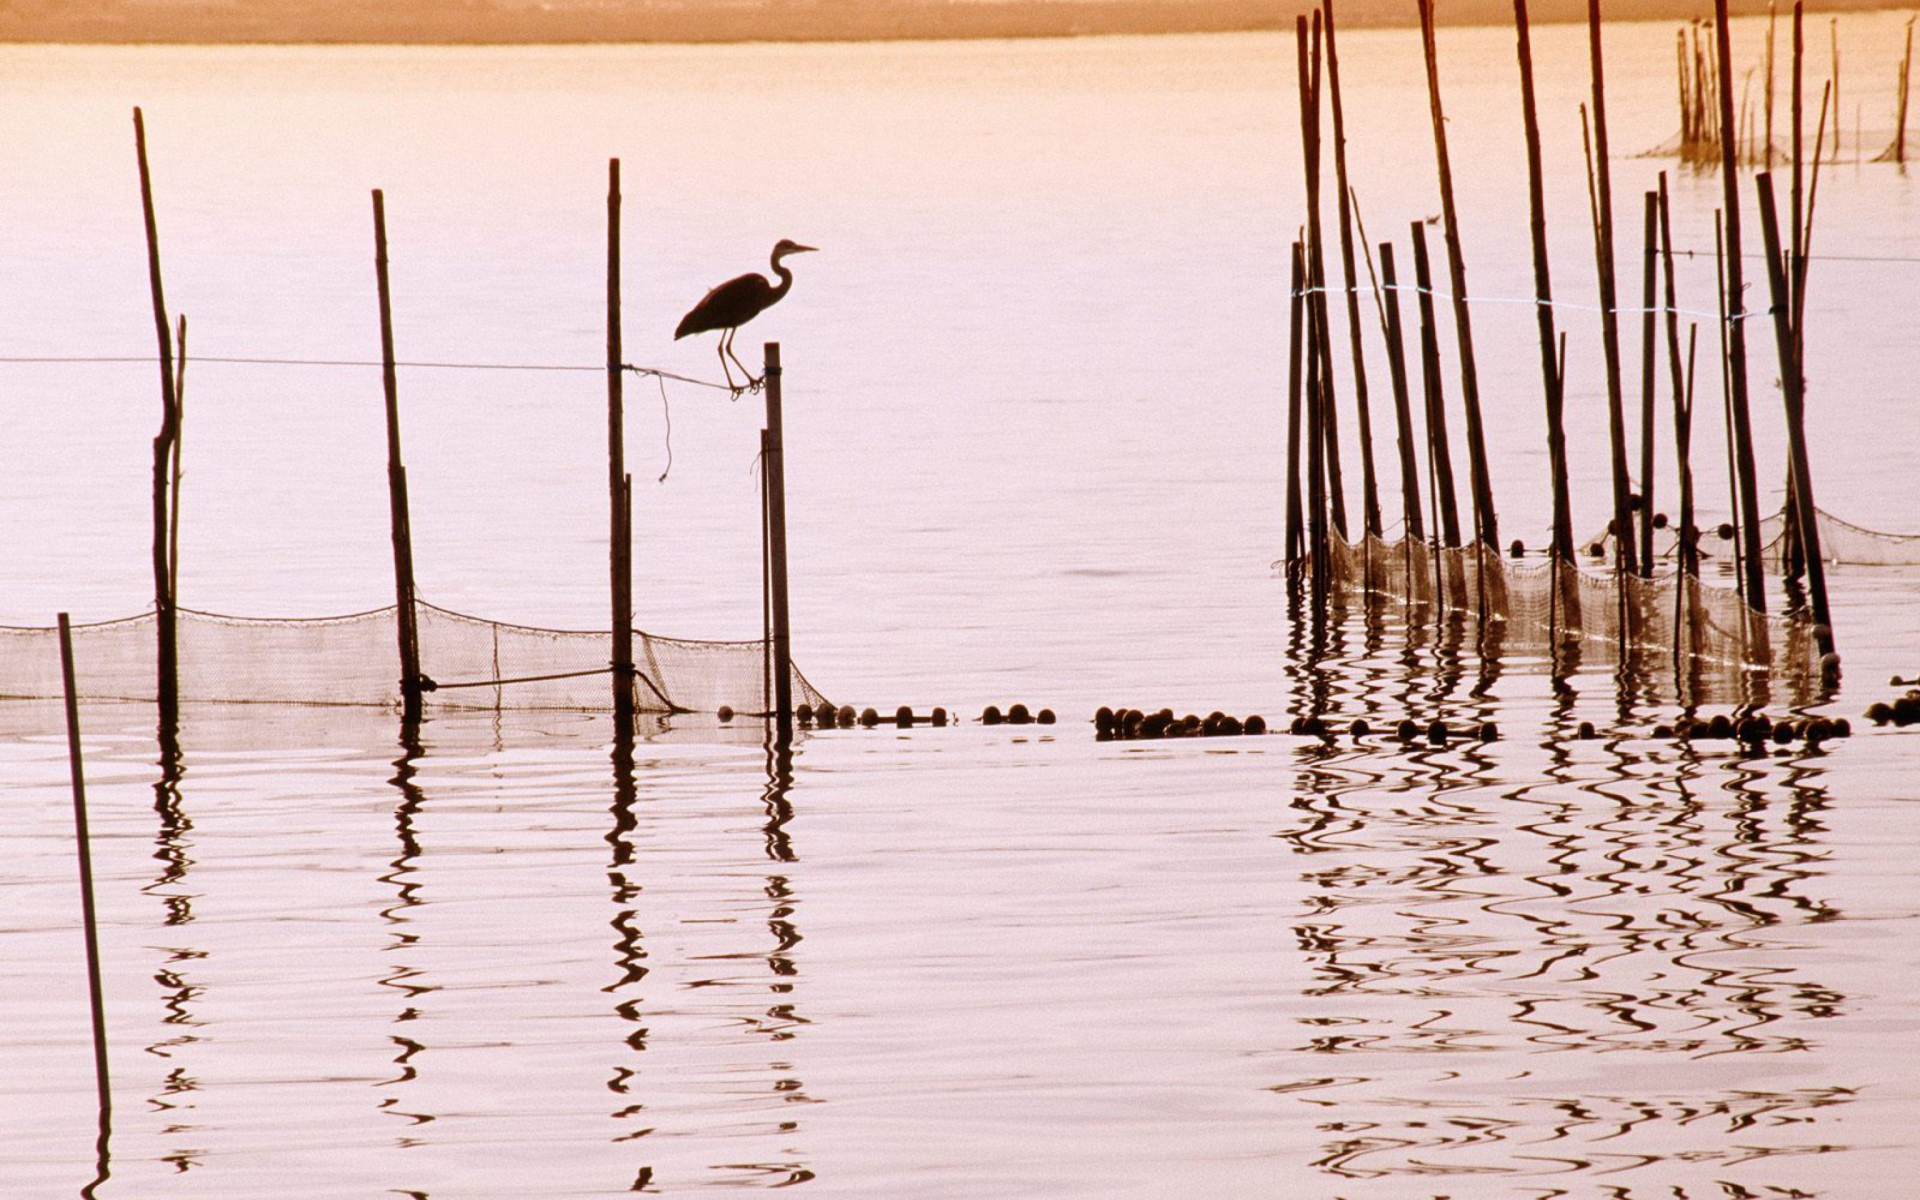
x=668 y=412
x=254 y=360
x=443 y=687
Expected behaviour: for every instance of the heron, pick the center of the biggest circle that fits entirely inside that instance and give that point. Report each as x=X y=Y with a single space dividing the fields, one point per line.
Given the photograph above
x=736 y=302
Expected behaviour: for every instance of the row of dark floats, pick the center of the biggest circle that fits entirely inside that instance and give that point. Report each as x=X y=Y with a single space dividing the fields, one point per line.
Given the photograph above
x=1316 y=510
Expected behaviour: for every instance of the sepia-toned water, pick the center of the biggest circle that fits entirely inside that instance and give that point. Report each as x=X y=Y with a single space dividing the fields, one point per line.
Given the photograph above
x=1035 y=387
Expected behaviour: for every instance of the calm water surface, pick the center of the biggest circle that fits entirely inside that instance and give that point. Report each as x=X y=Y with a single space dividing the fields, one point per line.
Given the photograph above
x=1034 y=380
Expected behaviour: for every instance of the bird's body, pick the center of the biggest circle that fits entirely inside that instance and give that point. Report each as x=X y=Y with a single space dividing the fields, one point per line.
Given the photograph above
x=738 y=301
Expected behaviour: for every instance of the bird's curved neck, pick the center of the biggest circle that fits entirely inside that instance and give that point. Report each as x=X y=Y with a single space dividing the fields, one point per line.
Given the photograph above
x=786 y=277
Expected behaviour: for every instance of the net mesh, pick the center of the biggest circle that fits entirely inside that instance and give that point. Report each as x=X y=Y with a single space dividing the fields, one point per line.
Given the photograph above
x=354 y=660
x=1608 y=616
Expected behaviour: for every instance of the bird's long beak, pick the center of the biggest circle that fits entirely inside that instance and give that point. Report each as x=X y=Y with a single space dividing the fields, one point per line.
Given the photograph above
x=801 y=249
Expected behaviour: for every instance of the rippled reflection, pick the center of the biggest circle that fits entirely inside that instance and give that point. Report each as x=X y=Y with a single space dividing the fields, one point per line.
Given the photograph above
x=174 y=1100
x=1564 y=976
x=405 y=976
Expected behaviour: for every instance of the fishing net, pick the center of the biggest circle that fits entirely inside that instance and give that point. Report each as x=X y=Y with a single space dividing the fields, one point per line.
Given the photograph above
x=1607 y=617
x=354 y=660
x=1844 y=542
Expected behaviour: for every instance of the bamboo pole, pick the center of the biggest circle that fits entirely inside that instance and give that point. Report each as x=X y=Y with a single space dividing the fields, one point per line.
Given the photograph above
x=1793 y=387
x=400 y=523
x=1726 y=397
x=1799 y=192
x=1402 y=406
x=84 y=846
x=1543 y=292
x=1649 y=343
x=777 y=547
x=1766 y=153
x=167 y=681
x=1317 y=547
x=620 y=540
x=1322 y=344
x=1296 y=534
x=1486 y=522
x=1440 y=458
x=766 y=579
x=1369 y=486
x=1688 y=555
x=1742 y=431
x=179 y=438
x=1602 y=190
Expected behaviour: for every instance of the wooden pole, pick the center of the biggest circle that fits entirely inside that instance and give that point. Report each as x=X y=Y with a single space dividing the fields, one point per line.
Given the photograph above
x=179 y=437
x=1726 y=395
x=1543 y=293
x=1900 y=111
x=1402 y=406
x=1296 y=533
x=1447 y=515
x=406 y=617
x=167 y=682
x=1486 y=525
x=1603 y=250
x=1369 y=487
x=1766 y=152
x=1322 y=344
x=1793 y=386
x=620 y=541
x=766 y=577
x=1689 y=547
x=777 y=547
x=1317 y=535
x=1649 y=343
x=1754 y=583
x=1799 y=191
x=84 y=843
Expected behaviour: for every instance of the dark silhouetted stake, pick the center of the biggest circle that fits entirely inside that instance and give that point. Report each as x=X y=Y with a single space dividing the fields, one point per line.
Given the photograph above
x=1748 y=510
x=1550 y=372
x=1322 y=341
x=776 y=473
x=619 y=485
x=1486 y=526
x=89 y=921
x=167 y=681
x=738 y=301
x=1440 y=457
x=1296 y=549
x=1402 y=404
x=1649 y=346
x=400 y=524
x=1793 y=386
x=179 y=437
x=1609 y=300
x=1688 y=555
x=1369 y=488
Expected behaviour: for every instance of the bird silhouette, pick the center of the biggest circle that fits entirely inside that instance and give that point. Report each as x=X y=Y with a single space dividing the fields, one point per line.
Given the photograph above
x=736 y=302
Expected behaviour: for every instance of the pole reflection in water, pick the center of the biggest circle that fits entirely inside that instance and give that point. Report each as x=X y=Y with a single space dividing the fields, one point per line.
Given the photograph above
x=174 y=1098
x=1623 y=928
x=782 y=1021
x=405 y=978
x=628 y=944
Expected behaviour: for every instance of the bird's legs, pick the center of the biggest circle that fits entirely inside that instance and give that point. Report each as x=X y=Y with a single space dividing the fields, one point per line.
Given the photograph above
x=733 y=387
x=753 y=381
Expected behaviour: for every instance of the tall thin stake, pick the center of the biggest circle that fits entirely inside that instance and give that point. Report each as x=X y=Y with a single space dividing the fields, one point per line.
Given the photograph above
x=1369 y=487
x=1793 y=386
x=1402 y=406
x=179 y=438
x=1603 y=250
x=1649 y=343
x=399 y=522
x=1296 y=533
x=1447 y=515
x=1689 y=545
x=167 y=682
x=84 y=844
x=1754 y=582
x=620 y=541
x=1486 y=523
x=1322 y=344
x=1543 y=293
x=777 y=547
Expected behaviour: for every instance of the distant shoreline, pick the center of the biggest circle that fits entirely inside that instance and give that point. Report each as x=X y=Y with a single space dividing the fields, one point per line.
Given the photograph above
x=587 y=22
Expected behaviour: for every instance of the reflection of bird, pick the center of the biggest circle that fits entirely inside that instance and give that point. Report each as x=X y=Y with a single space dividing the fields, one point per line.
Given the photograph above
x=736 y=302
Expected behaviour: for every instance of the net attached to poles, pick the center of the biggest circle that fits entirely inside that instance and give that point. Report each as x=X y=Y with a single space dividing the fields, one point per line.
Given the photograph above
x=1608 y=616
x=353 y=660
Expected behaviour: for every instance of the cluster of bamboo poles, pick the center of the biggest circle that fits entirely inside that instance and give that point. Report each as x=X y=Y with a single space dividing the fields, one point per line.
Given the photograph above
x=1321 y=514
x=1699 y=84
x=414 y=683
